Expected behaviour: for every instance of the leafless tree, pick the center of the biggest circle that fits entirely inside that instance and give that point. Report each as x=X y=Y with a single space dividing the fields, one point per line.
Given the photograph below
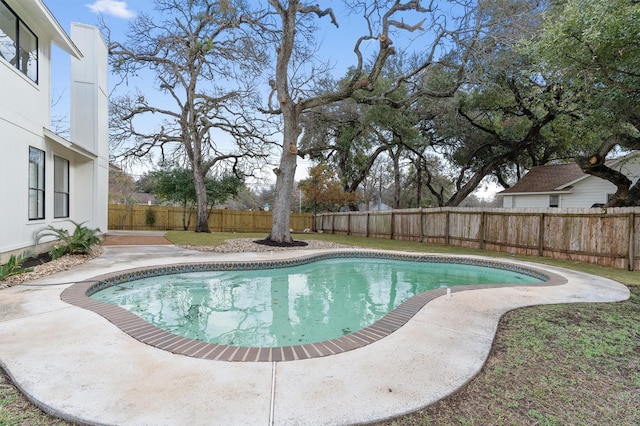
x=203 y=62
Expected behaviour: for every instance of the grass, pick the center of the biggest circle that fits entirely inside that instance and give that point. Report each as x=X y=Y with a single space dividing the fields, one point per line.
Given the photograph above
x=570 y=364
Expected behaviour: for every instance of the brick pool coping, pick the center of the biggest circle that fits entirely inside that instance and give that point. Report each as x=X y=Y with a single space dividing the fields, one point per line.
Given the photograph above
x=145 y=332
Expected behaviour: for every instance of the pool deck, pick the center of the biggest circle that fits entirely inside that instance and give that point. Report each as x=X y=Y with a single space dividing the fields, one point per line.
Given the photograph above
x=78 y=366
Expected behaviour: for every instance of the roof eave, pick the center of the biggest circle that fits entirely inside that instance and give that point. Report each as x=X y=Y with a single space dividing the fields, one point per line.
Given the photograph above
x=567 y=191
x=43 y=16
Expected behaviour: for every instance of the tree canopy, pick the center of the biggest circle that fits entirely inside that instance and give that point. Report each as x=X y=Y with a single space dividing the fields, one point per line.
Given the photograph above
x=591 y=50
x=436 y=99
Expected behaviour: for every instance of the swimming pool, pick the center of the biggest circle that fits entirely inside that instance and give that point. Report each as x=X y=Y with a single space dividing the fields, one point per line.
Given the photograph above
x=295 y=297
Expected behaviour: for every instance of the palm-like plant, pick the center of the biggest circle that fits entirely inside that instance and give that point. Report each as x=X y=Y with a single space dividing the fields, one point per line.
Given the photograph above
x=81 y=241
x=14 y=266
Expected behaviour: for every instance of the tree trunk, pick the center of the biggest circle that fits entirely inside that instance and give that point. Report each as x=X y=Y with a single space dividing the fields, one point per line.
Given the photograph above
x=595 y=167
x=397 y=186
x=202 y=222
x=419 y=184
x=185 y=226
x=285 y=176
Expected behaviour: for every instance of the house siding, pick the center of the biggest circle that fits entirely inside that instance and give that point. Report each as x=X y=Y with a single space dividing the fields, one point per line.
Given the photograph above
x=588 y=192
x=525 y=201
x=24 y=111
x=24 y=117
x=581 y=193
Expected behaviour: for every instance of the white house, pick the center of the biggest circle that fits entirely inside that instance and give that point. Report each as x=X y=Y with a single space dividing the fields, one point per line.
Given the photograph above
x=46 y=179
x=567 y=186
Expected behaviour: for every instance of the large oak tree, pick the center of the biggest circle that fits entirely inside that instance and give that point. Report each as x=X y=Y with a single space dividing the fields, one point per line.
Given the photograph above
x=593 y=49
x=385 y=22
x=201 y=59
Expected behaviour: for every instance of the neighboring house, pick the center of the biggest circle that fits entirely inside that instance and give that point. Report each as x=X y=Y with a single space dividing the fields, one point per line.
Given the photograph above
x=46 y=179
x=567 y=186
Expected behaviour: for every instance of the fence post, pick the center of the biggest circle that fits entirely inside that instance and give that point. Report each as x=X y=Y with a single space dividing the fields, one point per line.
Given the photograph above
x=421 y=225
x=446 y=228
x=366 y=228
x=393 y=224
x=541 y=236
x=632 y=235
x=349 y=223
x=481 y=230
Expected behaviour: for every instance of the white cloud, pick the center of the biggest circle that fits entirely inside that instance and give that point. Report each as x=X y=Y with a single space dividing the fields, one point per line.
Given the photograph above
x=115 y=8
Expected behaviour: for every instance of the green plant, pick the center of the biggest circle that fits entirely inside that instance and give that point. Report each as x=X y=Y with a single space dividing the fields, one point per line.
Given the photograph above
x=14 y=266
x=80 y=242
x=149 y=217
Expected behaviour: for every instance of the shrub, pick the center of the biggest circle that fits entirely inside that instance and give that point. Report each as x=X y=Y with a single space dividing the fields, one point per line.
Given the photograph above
x=14 y=266
x=149 y=217
x=80 y=242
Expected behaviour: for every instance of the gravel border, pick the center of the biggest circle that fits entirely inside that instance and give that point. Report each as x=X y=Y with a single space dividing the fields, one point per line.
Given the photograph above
x=63 y=263
x=242 y=245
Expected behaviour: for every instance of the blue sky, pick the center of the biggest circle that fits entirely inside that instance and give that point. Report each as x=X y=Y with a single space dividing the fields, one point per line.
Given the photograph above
x=87 y=11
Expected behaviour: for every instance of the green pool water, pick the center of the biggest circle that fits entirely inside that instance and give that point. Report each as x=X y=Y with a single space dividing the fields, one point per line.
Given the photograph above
x=296 y=305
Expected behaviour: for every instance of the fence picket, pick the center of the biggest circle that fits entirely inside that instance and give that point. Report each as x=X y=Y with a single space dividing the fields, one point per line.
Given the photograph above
x=605 y=237
x=121 y=216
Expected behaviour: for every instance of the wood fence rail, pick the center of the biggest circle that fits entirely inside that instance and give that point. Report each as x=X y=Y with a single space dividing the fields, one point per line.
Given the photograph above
x=141 y=217
x=605 y=237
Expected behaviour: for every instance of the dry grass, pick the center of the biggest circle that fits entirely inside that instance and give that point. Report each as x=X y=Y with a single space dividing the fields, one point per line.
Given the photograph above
x=575 y=364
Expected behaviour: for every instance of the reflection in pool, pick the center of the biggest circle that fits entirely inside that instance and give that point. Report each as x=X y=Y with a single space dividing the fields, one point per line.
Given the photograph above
x=293 y=305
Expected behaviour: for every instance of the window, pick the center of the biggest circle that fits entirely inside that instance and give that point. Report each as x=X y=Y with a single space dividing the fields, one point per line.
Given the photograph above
x=60 y=187
x=36 y=183
x=18 y=44
x=554 y=201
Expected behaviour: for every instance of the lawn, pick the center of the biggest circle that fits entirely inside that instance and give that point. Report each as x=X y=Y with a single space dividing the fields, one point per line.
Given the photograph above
x=576 y=364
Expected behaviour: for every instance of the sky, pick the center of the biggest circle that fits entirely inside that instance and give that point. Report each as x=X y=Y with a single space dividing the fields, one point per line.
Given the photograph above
x=118 y=14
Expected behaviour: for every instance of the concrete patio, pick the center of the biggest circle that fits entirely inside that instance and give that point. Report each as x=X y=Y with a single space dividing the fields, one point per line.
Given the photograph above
x=76 y=365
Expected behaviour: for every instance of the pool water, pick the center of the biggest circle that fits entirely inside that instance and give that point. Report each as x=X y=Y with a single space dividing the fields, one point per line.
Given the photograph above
x=296 y=305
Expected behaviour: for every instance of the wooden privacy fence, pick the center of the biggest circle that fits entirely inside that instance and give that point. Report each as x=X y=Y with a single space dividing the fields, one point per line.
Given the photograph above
x=604 y=237
x=122 y=216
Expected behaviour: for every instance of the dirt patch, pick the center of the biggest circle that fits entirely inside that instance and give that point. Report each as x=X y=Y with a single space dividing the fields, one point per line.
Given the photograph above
x=134 y=240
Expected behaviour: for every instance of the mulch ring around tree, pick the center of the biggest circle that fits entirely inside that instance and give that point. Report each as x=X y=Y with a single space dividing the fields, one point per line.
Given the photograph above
x=268 y=242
